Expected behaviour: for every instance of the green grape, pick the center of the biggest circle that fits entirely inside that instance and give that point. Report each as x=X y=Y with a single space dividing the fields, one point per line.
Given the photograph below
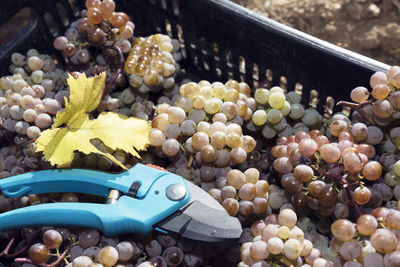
x=274 y=116
x=391 y=179
x=276 y=100
x=296 y=111
x=212 y=106
x=281 y=125
x=286 y=109
x=268 y=132
x=293 y=97
x=396 y=168
x=259 y=117
x=276 y=89
x=261 y=96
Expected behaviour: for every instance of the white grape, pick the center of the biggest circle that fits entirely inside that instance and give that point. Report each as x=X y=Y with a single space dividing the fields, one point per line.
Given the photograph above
x=35 y=63
x=125 y=251
x=37 y=76
x=292 y=249
x=18 y=85
x=18 y=59
x=33 y=132
x=5 y=111
x=396 y=168
x=9 y=125
x=286 y=109
x=293 y=97
x=188 y=127
x=108 y=256
x=156 y=137
x=16 y=112
x=275 y=245
x=48 y=85
x=259 y=117
x=170 y=147
x=274 y=116
x=268 y=132
x=39 y=90
x=203 y=126
x=261 y=96
x=81 y=261
x=276 y=89
x=276 y=100
x=51 y=106
x=21 y=127
x=296 y=111
x=311 y=117
x=172 y=131
x=43 y=121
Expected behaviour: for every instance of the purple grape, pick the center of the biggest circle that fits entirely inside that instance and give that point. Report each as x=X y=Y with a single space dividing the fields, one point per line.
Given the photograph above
x=173 y=255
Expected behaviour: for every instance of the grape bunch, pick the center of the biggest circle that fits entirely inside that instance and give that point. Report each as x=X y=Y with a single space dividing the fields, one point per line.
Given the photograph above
x=372 y=241
x=277 y=240
x=98 y=40
x=309 y=190
x=318 y=172
x=280 y=114
x=242 y=193
x=152 y=63
x=221 y=142
x=89 y=248
x=11 y=161
x=40 y=252
x=384 y=106
x=32 y=95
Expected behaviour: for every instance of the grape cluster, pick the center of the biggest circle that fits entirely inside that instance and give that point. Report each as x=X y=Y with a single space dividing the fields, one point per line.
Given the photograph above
x=32 y=95
x=11 y=161
x=278 y=240
x=152 y=63
x=241 y=193
x=98 y=40
x=384 y=106
x=88 y=248
x=326 y=169
x=40 y=252
x=221 y=142
x=372 y=241
x=309 y=190
x=282 y=114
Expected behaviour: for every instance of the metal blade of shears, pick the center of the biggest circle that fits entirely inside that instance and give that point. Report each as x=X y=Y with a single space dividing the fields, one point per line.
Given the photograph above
x=203 y=219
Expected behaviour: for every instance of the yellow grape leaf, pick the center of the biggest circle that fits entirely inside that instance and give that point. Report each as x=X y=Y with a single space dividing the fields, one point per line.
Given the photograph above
x=85 y=96
x=116 y=131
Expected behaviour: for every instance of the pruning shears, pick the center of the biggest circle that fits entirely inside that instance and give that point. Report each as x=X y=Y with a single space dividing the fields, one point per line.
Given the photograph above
x=141 y=199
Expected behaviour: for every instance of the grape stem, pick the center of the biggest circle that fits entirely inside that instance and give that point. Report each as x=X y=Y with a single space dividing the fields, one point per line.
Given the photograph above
x=60 y=258
x=121 y=65
x=286 y=262
x=189 y=164
x=5 y=253
x=346 y=187
x=358 y=107
x=27 y=142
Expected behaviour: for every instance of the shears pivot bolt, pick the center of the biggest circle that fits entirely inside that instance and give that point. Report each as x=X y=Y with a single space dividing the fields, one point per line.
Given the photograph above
x=176 y=192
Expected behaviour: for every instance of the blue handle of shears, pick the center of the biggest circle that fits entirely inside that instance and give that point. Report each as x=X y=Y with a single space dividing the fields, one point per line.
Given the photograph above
x=127 y=215
x=80 y=181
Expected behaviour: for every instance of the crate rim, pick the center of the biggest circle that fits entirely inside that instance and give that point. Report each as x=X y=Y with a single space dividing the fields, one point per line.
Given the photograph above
x=306 y=38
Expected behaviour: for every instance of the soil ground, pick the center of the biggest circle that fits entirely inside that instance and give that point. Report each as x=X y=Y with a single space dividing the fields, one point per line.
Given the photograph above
x=369 y=27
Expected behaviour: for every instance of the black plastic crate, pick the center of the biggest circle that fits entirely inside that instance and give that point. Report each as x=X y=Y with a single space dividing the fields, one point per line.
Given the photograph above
x=222 y=40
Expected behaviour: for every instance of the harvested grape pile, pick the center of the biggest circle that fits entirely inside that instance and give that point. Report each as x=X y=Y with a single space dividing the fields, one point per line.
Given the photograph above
x=369 y=27
x=309 y=189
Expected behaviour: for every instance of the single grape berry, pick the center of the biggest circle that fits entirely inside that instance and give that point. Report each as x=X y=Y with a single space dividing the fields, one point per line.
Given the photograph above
x=52 y=239
x=38 y=252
